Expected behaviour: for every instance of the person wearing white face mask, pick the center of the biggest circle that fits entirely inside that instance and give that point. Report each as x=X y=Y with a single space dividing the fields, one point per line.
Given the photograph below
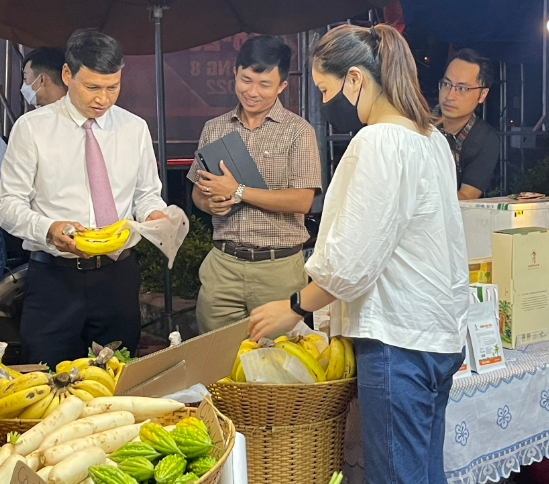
x=42 y=83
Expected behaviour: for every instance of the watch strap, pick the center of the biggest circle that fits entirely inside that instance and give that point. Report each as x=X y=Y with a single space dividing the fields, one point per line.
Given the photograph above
x=295 y=304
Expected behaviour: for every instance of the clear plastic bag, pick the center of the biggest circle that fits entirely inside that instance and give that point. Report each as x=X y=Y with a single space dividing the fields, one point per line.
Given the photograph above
x=194 y=394
x=273 y=365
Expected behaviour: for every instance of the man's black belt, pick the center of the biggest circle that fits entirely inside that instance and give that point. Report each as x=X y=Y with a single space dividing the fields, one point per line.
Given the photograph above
x=255 y=255
x=95 y=262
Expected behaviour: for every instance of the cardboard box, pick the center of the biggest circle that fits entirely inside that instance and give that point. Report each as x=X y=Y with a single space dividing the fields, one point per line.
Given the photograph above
x=482 y=217
x=205 y=359
x=520 y=268
x=480 y=270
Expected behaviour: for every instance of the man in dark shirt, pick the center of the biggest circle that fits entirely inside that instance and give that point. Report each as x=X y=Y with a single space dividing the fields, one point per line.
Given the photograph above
x=474 y=143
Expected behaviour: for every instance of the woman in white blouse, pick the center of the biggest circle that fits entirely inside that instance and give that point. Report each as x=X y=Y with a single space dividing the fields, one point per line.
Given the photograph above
x=391 y=249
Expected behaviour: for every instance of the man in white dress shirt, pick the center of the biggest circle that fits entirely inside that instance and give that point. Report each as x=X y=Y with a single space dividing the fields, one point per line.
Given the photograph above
x=86 y=162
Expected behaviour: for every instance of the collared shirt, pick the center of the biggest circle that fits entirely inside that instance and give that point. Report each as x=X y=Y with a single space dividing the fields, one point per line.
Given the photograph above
x=391 y=244
x=478 y=153
x=285 y=151
x=44 y=178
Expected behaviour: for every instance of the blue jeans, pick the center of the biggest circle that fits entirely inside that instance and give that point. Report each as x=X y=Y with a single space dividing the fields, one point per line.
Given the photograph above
x=403 y=396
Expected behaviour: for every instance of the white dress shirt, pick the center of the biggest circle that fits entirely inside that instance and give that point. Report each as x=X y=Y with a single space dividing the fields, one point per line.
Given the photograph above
x=44 y=178
x=391 y=245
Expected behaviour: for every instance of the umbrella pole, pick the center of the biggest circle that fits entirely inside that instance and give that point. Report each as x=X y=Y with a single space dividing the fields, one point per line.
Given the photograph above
x=158 y=11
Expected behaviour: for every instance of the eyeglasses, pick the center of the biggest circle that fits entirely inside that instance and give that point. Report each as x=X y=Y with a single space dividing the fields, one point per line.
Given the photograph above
x=460 y=90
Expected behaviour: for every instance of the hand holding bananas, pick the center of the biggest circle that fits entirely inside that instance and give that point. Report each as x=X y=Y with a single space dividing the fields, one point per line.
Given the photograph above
x=277 y=316
x=63 y=242
x=103 y=240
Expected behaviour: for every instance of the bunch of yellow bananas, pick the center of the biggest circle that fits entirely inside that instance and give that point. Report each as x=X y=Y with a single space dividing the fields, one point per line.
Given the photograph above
x=102 y=240
x=324 y=362
x=338 y=359
x=113 y=366
x=25 y=391
x=237 y=373
x=36 y=395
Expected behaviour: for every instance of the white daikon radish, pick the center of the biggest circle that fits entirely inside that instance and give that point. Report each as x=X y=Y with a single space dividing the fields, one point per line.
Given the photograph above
x=73 y=430
x=141 y=407
x=6 y=451
x=111 y=463
x=169 y=428
x=44 y=473
x=67 y=411
x=89 y=480
x=109 y=441
x=6 y=469
x=74 y=468
x=35 y=460
x=87 y=426
x=137 y=439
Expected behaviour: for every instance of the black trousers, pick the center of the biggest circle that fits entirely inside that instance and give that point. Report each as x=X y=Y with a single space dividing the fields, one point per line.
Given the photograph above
x=65 y=309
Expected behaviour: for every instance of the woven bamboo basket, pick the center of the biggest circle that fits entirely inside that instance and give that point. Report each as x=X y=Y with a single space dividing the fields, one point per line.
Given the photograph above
x=8 y=425
x=211 y=477
x=296 y=454
x=265 y=404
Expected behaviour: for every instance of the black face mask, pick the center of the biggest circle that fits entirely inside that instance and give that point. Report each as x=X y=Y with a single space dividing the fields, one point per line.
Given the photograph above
x=341 y=114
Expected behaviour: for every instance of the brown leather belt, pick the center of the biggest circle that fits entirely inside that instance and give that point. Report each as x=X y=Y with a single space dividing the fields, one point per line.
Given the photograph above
x=255 y=255
x=95 y=262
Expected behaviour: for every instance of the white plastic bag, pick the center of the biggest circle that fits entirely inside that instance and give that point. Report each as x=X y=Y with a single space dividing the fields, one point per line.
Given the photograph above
x=194 y=394
x=166 y=234
x=266 y=365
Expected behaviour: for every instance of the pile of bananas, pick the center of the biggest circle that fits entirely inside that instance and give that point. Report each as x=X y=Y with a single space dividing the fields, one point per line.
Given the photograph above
x=36 y=395
x=102 y=240
x=324 y=361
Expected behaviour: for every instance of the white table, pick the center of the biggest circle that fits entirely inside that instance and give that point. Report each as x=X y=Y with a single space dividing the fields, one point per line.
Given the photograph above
x=495 y=423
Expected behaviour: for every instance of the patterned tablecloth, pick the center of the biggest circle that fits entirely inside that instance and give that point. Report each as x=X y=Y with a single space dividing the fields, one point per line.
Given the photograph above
x=495 y=423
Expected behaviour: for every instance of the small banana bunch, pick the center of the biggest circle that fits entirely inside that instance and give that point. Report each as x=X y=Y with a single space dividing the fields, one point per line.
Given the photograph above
x=113 y=367
x=36 y=395
x=237 y=373
x=103 y=240
x=336 y=359
x=324 y=361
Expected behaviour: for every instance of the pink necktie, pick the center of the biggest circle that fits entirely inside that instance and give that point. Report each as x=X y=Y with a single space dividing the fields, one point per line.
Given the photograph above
x=100 y=187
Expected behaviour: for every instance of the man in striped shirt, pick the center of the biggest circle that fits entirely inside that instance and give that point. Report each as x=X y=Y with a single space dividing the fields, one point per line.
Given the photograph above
x=257 y=250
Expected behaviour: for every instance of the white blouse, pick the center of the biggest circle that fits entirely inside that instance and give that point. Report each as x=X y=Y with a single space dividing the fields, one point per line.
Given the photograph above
x=391 y=246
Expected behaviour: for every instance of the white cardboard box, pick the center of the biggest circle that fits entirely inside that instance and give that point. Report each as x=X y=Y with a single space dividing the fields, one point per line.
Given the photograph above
x=520 y=268
x=487 y=215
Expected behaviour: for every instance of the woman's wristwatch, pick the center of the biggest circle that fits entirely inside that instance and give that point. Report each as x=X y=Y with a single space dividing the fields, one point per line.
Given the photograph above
x=295 y=304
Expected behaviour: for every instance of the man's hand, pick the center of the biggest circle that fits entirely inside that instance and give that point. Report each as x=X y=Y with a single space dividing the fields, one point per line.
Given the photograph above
x=156 y=215
x=64 y=243
x=220 y=186
x=219 y=205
